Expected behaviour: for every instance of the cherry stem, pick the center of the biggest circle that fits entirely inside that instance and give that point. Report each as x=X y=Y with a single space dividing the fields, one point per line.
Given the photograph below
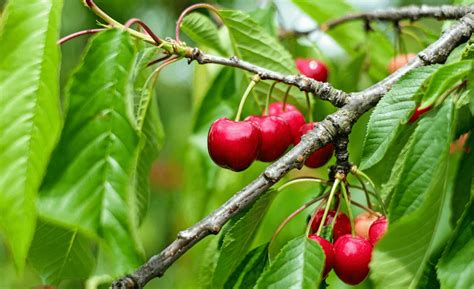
x=158 y=60
x=112 y=22
x=292 y=215
x=336 y=183
x=366 y=192
x=361 y=188
x=145 y=27
x=191 y=8
x=310 y=109
x=255 y=80
x=269 y=95
x=285 y=98
x=358 y=172
x=79 y=33
x=348 y=205
x=301 y=180
x=364 y=207
x=333 y=223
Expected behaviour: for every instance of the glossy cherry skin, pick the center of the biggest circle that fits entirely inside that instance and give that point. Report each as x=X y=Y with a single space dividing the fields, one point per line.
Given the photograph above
x=352 y=258
x=363 y=222
x=399 y=61
x=321 y=156
x=312 y=68
x=233 y=144
x=294 y=118
x=418 y=112
x=341 y=227
x=328 y=252
x=377 y=230
x=276 y=108
x=276 y=136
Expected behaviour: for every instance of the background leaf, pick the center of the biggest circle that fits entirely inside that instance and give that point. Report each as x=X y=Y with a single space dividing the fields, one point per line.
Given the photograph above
x=93 y=166
x=399 y=259
x=249 y=270
x=30 y=113
x=59 y=253
x=203 y=31
x=443 y=79
x=238 y=239
x=456 y=269
x=252 y=43
x=298 y=265
x=430 y=142
x=391 y=113
x=347 y=35
x=151 y=131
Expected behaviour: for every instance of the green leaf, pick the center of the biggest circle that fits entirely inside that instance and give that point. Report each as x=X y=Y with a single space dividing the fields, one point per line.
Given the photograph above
x=399 y=259
x=431 y=141
x=265 y=17
x=391 y=113
x=209 y=262
x=298 y=265
x=88 y=183
x=350 y=74
x=239 y=238
x=443 y=79
x=31 y=118
x=253 y=44
x=348 y=35
x=58 y=253
x=151 y=130
x=219 y=101
x=463 y=187
x=380 y=52
x=202 y=31
x=247 y=273
x=456 y=269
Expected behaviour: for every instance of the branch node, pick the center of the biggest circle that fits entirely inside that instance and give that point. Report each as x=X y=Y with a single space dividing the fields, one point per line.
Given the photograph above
x=127 y=282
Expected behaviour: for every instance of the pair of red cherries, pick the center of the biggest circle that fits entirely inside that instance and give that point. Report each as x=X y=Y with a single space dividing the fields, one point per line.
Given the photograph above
x=236 y=144
x=350 y=255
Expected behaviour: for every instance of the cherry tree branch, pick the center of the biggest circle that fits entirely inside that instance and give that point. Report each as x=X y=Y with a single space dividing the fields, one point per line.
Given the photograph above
x=334 y=125
x=444 y=12
x=342 y=165
x=322 y=89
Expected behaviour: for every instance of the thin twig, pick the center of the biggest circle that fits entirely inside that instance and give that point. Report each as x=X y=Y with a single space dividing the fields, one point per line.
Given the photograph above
x=79 y=33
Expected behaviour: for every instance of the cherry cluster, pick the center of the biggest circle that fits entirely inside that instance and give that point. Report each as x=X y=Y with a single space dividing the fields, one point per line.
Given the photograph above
x=236 y=144
x=350 y=254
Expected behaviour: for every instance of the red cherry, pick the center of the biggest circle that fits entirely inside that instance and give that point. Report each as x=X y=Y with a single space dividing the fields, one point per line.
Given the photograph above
x=233 y=144
x=399 y=61
x=328 y=252
x=341 y=227
x=352 y=258
x=377 y=230
x=313 y=68
x=321 y=156
x=418 y=112
x=276 y=136
x=294 y=118
x=277 y=107
x=363 y=222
